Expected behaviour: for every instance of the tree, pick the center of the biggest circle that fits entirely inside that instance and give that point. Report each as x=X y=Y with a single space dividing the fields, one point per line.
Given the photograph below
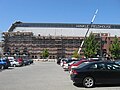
x=115 y=48
x=91 y=46
x=75 y=54
x=45 y=53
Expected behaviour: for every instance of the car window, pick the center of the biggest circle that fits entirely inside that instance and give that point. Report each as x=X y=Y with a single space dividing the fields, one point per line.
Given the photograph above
x=99 y=66
x=94 y=66
x=113 y=67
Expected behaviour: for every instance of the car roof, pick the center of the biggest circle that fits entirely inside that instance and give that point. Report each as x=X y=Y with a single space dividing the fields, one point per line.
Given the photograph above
x=95 y=62
x=103 y=61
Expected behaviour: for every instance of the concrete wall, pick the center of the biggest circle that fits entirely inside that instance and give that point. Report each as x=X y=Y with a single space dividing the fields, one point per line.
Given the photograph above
x=65 y=31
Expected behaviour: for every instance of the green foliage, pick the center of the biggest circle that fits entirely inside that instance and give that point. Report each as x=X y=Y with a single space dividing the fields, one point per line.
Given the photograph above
x=115 y=48
x=91 y=46
x=45 y=53
x=75 y=54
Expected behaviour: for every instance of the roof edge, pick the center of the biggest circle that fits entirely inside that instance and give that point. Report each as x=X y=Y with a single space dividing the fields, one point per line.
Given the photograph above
x=60 y=25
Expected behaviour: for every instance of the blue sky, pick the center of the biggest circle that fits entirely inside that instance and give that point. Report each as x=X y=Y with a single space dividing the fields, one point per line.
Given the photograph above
x=58 y=11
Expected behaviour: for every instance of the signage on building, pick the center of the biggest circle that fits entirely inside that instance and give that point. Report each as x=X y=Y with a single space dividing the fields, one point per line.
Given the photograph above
x=94 y=26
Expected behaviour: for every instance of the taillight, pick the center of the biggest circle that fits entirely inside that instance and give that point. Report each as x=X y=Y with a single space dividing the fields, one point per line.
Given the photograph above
x=64 y=62
x=74 y=72
x=74 y=66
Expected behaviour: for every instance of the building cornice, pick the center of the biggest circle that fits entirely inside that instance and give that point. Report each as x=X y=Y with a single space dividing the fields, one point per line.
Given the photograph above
x=63 y=25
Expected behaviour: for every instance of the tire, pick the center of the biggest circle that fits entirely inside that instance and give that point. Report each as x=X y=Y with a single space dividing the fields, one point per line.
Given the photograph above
x=14 y=65
x=2 y=67
x=88 y=82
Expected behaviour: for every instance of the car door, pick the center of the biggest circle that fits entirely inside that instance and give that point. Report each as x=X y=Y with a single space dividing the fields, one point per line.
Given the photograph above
x=113 y=73
x=99 y=72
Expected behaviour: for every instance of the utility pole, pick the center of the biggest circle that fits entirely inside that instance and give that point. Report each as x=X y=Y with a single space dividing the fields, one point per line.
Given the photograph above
x=87 y=31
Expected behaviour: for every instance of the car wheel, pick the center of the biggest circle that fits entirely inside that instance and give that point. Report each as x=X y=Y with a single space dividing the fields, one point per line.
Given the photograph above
x=2 y=67
x=14 y=65
x=88 y=82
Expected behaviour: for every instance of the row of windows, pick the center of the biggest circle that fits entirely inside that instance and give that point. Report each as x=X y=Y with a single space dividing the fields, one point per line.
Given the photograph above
x=48 y=42
x=56 y=42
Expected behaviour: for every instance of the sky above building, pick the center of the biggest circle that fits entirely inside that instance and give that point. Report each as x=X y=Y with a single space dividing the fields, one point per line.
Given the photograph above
x=58 y=11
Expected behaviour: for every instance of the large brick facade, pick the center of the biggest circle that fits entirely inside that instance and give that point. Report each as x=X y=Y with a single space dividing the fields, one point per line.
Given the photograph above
x=32 y=38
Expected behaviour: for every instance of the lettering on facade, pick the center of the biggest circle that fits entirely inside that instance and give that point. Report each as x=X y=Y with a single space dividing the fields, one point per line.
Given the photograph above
x=94 y=26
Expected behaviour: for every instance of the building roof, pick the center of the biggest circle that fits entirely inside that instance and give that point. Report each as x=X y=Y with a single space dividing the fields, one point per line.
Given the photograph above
x=63 y=25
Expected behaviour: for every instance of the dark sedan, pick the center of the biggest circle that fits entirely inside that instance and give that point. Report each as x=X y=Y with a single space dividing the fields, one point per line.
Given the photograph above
x=92 y=73
x=27 y=62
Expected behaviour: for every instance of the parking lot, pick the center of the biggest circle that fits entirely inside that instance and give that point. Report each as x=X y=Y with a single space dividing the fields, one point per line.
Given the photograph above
x=41 y=76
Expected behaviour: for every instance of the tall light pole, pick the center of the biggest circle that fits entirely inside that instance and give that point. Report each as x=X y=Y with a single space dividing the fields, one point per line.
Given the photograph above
x=87 y=31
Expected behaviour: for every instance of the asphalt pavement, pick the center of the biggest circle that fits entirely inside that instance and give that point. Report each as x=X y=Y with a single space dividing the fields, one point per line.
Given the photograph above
x=41 y=76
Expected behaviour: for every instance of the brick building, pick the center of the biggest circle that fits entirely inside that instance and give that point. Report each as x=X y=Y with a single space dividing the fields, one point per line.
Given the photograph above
x=60 y=39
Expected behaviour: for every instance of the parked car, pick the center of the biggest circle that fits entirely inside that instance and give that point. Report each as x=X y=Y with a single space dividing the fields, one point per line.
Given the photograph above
x=66 y=61
x=91 y=73
x=76 y=64
x=31 y=61
x=27 y=61
x=66 y=66
x=14 y=63
x=63 y=61
x=4 y=63
x=20 y=60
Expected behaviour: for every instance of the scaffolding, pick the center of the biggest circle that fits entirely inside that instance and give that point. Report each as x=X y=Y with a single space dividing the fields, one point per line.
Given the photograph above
x=58 y=46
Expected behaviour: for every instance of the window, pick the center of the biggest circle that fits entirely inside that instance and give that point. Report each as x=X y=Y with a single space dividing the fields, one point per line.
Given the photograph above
x=113 y=67
x=94 y=66
x=99 y=66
